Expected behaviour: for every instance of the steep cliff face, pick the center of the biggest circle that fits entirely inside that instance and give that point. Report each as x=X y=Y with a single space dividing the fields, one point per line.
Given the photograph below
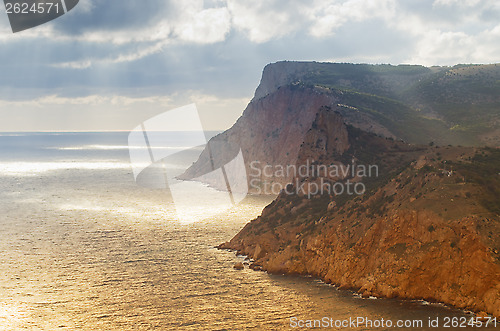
x=447 y=105
x=326 y=139
x=392 y=101
x=425 y=225
x=428 y=232
x=280 y=74
x=268 y=133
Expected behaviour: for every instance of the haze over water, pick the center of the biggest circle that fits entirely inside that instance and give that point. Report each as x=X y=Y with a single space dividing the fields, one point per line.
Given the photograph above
x=82 y=246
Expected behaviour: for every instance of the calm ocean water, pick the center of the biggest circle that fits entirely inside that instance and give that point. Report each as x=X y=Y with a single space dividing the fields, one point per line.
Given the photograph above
x=82 y=246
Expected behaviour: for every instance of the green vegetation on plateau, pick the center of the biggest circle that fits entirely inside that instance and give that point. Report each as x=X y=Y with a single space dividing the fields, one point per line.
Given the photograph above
x=457 y=105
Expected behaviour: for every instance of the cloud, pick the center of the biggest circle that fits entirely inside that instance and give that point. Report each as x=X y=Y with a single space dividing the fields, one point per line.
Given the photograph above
x=89 y=100
x=112 y=112
x=439 y=40
x=216 y=49
x=463 y=3
x=85 y=6
x=135 y=30
x=182 y=23
x=205 y=26
x=84 y=64
x=327 y=16
x=263 y=20
x=458 y=47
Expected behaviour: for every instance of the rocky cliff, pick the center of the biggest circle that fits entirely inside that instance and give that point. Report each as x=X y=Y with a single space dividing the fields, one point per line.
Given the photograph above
x=446 y=105
x=400 y=102
x=362 y=204
x=420 y=233
x=268 y=134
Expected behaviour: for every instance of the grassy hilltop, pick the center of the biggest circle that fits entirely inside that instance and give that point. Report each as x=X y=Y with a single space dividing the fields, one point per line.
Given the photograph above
x=457 y=105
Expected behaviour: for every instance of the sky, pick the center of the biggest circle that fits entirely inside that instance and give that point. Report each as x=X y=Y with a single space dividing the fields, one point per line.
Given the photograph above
x=112 y=64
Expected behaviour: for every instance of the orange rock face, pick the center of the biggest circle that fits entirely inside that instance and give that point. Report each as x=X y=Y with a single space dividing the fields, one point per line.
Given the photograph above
x=419 y=235
x=396 y=257
x=427 y=226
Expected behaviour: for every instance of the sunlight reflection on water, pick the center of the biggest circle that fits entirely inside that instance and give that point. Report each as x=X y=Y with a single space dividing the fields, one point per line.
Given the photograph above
x=83 y=247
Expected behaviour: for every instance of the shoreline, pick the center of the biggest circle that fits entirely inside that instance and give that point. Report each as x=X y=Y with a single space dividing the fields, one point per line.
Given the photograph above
x=255 y=266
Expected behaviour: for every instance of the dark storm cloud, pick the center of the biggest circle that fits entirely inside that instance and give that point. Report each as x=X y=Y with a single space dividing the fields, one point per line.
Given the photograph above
x=112 y=15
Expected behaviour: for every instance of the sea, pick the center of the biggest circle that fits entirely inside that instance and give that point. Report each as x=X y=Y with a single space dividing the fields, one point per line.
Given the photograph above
x=84 y=246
